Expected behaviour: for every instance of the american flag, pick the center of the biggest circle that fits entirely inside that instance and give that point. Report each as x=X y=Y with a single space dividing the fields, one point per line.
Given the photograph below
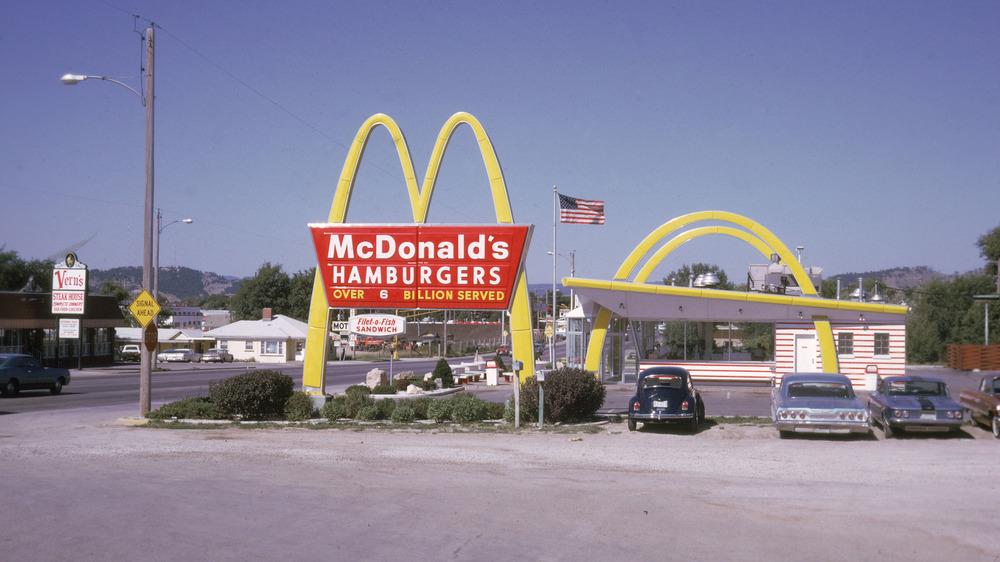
x=580 y=211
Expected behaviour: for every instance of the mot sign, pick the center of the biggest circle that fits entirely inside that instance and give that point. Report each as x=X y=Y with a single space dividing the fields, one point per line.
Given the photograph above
x=420 y=266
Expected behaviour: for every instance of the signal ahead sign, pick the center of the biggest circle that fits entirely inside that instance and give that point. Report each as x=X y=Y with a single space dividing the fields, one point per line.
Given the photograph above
x=144 y=308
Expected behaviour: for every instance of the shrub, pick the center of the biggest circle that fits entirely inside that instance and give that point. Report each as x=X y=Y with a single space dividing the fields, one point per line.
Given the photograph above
x=496 y=410
x=385 y=389
x=299 y=407
x=570 y=395
x=420 y=407
x=355 y=402
x=443 y=371
x=401 y=384
x=198 y=408
x=429 y=384
x=439 y=410
x=404 y=413
x=467 y=408
x=357 y=389
x=500 y=364
x=384 y=408
x=252 y=395
x=335 y=408
x=367 y=413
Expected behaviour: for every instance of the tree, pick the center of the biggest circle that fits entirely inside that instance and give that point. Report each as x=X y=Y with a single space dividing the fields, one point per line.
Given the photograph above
x=122 y=296
x=15 y=273
x=682 y=276
x=269 y=288
x=300 y=294
x=989 y=248
x=943 y=312
x=215 y=302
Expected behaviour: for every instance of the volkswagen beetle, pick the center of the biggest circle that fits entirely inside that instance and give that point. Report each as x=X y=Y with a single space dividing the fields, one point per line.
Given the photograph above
x=665 y=395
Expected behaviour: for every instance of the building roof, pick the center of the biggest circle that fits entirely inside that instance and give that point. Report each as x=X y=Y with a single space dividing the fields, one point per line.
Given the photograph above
x=278 y=327
x=34 y=311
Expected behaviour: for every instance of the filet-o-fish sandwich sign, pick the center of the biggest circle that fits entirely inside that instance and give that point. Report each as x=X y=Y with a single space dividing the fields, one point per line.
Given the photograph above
x=420 y=266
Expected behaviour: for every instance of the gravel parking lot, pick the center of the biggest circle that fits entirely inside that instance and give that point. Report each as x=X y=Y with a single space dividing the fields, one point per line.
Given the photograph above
x=78 y=485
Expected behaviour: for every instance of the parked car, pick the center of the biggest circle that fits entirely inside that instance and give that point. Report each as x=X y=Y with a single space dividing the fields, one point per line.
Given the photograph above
x=130 y=352
x=983 y=405
x=503 y=350
x=217 y=354
x=23 y=372
x=817 y=403
x=665 y=395
x=180 y=354
x=913 y=404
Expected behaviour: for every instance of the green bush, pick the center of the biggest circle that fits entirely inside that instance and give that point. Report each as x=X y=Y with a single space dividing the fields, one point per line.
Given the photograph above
x=500 y=364
x=570 y=395
x=384 y=408
x=385 y=389
x=198 y=408
x=443 y=371
x=439 y=410
x=466 y=408
x=495 y=410
x=429 y=384
x=367 y=413
x=420 y=407
x=357 y=389
x=252 y=395
x=401 y=384
x=299 y=407
x=404 y=413
x=335 y=408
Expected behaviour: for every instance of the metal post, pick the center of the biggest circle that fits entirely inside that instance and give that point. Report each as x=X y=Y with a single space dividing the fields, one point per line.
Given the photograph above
x=541 y=405
x=552 y=340
x=145 y=369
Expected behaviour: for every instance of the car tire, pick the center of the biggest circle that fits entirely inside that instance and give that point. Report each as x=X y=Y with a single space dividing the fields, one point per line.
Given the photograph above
x=56 y=387
x=693 y=424
x=631 y=425
x=11 y=387
x=995 y=426
x=886 y=428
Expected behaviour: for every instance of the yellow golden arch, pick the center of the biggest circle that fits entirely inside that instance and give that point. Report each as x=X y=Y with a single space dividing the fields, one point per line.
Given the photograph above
x=313 y=379
x=754 y=234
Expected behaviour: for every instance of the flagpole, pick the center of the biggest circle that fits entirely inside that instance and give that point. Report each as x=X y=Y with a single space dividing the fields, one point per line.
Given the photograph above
x=552 y=340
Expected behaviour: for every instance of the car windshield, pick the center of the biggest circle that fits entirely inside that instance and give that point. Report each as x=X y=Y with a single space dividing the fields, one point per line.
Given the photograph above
x=917 y=388
x=662 y=381
x=815 y=389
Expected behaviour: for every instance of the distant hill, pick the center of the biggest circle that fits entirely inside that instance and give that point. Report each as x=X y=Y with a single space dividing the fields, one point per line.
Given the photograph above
x=898 y=278
x=175 y=282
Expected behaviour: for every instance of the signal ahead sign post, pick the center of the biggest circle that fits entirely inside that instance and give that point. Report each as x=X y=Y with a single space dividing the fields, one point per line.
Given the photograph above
x=144 y=308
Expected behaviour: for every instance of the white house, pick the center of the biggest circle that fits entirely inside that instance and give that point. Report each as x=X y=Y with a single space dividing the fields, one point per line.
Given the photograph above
x=272 y=339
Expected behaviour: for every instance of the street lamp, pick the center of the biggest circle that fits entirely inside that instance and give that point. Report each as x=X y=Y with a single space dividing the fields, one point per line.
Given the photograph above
x=145 y=369
x=159 y=230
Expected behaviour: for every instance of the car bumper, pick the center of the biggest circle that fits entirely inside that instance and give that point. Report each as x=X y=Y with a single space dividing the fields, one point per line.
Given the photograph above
x=660 y=417
x=927 y=425
x=805 y=426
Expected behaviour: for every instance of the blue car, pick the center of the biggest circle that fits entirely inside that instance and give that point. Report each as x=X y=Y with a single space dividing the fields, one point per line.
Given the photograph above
x=23 y=372
x=914 y=404
x=665 y=395
x=817 y=403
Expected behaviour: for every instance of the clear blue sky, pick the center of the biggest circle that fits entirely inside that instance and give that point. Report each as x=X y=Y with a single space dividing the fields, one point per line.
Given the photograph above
x=867 y=132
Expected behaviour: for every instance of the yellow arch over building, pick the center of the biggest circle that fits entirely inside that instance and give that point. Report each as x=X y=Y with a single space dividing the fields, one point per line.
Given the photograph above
x=313 y=378
x=754 y=234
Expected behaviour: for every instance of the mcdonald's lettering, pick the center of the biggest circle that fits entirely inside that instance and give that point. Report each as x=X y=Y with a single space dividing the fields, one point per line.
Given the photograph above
x=418 y=266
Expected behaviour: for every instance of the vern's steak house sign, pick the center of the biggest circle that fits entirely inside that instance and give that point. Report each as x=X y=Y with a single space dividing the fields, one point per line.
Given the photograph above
x=420 y=266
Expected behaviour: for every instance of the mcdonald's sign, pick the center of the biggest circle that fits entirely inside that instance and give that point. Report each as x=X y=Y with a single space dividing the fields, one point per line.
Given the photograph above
x=420 y=266
x=449 y=270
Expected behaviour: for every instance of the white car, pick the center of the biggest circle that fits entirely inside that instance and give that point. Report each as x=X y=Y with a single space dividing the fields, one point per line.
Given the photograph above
x=178 y=355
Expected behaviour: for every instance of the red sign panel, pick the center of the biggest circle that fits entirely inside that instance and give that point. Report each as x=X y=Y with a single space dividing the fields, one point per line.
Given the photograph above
x=420 y=266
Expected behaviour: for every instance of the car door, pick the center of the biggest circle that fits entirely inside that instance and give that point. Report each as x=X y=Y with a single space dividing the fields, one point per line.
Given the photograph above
x=876 y=401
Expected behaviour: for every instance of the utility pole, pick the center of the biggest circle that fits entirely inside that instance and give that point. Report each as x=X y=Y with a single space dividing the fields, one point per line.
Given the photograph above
x=146 y=356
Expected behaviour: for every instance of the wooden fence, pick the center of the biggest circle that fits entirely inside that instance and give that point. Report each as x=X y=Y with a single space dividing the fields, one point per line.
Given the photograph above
x=969 y=357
